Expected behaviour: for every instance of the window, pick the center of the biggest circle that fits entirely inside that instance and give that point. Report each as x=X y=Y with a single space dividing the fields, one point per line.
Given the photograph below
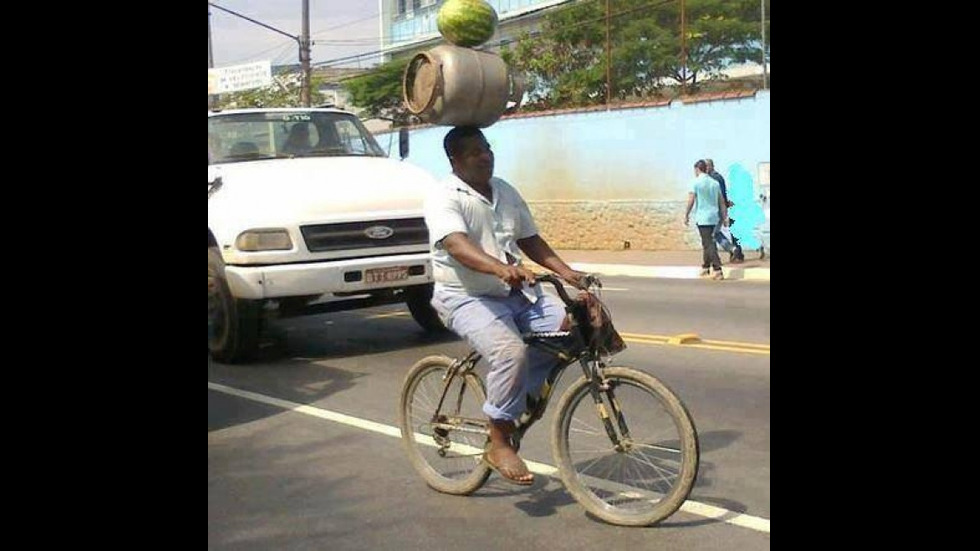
x=351 y=138
x=264 y=135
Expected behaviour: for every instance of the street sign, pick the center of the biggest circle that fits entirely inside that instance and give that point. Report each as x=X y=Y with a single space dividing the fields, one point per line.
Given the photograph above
x=239 y=77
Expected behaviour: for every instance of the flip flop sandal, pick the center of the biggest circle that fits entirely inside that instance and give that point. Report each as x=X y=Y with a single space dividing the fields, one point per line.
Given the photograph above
x=510 y=471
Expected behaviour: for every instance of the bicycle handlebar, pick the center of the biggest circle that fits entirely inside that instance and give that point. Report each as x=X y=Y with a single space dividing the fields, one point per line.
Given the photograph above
x=559 y=283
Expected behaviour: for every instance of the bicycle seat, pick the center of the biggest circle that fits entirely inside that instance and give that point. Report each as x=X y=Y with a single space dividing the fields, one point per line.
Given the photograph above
x=544 y=335
x=563 y=344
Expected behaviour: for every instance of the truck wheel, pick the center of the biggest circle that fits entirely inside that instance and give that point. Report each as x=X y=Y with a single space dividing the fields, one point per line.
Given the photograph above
x=233 y=324
x=417 y=298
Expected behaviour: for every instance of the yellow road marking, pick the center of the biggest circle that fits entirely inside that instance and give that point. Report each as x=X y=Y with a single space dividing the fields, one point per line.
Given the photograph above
x=692 y=340
x=689 y=340
x=388 y=315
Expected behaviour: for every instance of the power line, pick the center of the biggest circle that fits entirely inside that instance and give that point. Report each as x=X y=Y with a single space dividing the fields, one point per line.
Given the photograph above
x=257 y=22
x=656 y=4
x=282 y=46
x=347 y=24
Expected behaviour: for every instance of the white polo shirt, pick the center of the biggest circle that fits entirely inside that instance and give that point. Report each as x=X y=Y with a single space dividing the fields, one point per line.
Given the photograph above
x=495 y=226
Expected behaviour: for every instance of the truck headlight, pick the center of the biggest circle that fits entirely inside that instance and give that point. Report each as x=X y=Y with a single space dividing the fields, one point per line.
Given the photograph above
x=274 y=239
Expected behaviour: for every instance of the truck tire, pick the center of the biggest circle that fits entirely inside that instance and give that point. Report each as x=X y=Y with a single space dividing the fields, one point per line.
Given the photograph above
x=417 y=298
x=233 y=324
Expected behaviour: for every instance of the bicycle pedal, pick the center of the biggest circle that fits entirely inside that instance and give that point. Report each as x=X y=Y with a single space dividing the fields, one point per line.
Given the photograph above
x=440 y=431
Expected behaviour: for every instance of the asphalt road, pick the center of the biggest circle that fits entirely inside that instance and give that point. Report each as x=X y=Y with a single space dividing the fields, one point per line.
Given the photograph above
x=303 y=453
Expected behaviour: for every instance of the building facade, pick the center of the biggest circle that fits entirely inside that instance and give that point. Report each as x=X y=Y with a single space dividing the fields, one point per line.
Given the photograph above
x=408 y=26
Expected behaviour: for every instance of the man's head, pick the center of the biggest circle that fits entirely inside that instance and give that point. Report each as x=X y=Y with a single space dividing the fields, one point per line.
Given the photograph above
x=710 y=165
x=469 y=154
x=701 y=167
x=299 y=136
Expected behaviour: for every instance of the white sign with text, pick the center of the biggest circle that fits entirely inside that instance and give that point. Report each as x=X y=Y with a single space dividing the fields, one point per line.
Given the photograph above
x=239 y=77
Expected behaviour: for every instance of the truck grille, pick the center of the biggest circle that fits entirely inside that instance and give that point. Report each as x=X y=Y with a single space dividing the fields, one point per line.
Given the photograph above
x=358 y=235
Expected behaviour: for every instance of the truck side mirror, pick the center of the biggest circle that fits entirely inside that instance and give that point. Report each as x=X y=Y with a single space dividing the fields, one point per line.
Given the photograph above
x=403 y=142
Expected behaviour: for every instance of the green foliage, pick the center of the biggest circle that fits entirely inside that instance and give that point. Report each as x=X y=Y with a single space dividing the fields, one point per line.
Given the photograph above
x=379 y=92
x=565 y=61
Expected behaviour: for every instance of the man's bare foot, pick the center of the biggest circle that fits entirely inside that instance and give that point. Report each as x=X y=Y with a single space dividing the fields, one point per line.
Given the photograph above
x=501 y=456
x=509 y=465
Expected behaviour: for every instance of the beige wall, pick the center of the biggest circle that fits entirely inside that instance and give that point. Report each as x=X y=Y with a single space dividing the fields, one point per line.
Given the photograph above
x=606 y=225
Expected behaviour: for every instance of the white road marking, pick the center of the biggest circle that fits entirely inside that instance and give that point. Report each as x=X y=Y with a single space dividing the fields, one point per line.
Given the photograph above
x=758 y=524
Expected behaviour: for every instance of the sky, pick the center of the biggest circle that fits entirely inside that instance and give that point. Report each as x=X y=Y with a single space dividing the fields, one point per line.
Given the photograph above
x=338 y=29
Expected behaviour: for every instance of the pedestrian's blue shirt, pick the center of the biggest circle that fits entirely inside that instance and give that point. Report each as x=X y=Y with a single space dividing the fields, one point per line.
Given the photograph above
x=707 y=193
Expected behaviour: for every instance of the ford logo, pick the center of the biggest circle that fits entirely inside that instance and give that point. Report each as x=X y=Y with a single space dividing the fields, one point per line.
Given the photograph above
x=379 y=232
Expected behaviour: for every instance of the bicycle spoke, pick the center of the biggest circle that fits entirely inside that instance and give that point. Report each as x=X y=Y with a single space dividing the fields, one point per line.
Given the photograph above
x=665 y=474
x=588 y=428
x=632 y=481
x=443 y=427
x=658 y=448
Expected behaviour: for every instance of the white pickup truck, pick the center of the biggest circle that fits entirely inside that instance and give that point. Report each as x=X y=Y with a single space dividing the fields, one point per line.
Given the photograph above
x=307 y=214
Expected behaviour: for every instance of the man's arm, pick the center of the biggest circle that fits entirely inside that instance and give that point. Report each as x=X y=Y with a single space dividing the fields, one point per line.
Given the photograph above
x=690 y=205
x=723 y=210
x=724 y=192
x=467 y=253
x=538 y=250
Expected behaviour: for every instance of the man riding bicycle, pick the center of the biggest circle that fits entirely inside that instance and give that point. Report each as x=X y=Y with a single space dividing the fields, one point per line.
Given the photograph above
x=479 y=229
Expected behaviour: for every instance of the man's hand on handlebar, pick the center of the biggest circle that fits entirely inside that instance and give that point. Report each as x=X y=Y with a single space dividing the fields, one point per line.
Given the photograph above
x=577 y=278
x=515 y=276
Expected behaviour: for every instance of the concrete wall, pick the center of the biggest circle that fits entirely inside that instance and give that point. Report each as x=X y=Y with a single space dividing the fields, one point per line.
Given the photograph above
x=598 y=179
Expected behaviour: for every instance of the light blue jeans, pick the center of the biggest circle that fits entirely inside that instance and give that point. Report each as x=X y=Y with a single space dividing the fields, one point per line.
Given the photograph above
x=493 y=326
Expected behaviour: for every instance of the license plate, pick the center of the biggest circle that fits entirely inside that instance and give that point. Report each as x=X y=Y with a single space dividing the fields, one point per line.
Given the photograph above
x=383 y=275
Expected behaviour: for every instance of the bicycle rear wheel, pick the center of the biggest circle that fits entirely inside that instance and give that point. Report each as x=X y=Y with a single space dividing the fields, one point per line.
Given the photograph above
x=446 y=446
x=649 y=475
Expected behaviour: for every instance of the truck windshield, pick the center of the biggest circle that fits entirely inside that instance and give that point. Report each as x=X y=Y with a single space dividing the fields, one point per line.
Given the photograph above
x=236 y=137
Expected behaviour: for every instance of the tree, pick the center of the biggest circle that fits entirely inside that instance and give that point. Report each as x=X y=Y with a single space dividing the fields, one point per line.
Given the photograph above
x=284 y=92
x=379 y=92
x=720 y=33
x=565 y=61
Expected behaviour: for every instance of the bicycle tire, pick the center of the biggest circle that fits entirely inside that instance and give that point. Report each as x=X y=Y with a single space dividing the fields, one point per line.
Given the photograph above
x=652 y=477
x=459 y=468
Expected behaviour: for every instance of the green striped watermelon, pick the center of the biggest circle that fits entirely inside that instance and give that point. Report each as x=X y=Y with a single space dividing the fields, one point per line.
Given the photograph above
x=466 y=23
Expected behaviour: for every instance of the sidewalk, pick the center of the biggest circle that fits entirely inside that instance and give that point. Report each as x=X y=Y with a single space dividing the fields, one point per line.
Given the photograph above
x=666 y=264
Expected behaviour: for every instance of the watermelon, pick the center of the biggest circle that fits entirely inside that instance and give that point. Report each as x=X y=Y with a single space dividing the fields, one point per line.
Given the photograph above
x=466 y=23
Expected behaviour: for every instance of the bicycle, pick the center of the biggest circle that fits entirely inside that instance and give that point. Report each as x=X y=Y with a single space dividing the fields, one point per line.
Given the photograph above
x=630 y=460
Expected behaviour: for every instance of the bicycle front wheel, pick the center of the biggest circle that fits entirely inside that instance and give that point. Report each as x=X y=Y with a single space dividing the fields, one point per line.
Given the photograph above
x=647 y=474
x=443 y=426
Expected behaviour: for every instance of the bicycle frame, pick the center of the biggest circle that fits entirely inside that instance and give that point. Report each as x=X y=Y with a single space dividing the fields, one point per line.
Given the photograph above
x=589 y=357
x=618 y=479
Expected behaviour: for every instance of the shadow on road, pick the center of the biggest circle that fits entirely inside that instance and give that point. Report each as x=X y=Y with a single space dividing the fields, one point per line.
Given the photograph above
x=294 y=360
x=344 y=334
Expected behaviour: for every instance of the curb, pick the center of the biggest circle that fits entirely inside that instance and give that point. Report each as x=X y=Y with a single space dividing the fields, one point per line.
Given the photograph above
x=670 y=272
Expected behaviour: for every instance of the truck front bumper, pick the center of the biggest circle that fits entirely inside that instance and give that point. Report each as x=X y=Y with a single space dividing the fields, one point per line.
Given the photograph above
x=329 y=277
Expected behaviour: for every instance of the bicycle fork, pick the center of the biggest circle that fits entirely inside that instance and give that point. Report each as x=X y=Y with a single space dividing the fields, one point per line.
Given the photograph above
x=599 y=385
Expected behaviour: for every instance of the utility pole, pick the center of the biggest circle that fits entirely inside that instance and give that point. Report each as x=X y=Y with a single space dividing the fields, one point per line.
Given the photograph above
x=303 y=41
x=765 y=77
x=210 y=53
x=304 y=55
x=608 y=59
x=212 y=99
x=683 y=49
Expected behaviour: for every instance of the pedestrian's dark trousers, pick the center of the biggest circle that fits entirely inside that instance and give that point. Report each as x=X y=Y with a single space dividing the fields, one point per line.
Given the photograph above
x=709 y=257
